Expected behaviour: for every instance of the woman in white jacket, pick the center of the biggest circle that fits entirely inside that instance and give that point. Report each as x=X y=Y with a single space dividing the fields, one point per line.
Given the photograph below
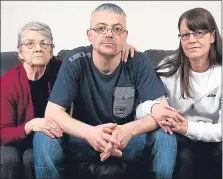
x=192 y=76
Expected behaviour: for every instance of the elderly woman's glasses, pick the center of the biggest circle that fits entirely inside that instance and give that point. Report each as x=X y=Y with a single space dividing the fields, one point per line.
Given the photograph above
x=197 y=34
x=103 y=30
x=31 y=43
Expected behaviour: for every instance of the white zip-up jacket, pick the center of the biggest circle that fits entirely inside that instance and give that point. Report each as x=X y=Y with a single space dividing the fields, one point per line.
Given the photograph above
x=203 y=111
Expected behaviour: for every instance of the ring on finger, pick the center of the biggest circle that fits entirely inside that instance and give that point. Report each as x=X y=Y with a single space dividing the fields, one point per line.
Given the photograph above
x=48 y=128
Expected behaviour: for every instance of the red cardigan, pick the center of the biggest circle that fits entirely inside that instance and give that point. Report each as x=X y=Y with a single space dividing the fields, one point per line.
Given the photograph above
x=16 y=101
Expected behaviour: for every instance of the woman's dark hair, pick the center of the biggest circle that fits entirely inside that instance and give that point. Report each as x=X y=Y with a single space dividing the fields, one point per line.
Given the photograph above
x=196 y=19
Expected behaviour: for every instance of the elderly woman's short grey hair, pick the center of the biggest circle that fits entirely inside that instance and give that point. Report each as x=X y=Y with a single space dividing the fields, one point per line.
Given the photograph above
x=35 y=26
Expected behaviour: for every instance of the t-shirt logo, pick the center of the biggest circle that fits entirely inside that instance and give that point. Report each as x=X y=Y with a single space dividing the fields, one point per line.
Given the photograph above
x=211 y=95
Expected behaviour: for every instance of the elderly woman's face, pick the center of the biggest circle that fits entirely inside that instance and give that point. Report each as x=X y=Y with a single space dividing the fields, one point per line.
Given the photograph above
x=36 y=49
x=196 y=45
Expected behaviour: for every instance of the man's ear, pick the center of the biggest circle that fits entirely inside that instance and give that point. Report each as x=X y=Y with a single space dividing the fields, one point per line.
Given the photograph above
x=126 y=35
x=89 y=34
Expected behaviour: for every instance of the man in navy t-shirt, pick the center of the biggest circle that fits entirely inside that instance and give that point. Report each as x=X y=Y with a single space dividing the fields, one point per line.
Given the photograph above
x=105 y=92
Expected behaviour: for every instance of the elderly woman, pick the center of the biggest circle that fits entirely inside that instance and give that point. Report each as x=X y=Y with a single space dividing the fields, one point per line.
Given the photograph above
x=24 y=93
x=192 y=76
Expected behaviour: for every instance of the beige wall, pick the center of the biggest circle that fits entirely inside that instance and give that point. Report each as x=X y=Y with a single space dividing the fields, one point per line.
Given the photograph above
x=151 y=24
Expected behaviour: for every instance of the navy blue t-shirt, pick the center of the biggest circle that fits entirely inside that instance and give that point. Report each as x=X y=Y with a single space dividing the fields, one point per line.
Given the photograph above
x=100 y=98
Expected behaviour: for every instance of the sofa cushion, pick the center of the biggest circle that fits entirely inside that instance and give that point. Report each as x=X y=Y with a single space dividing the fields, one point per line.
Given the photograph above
x=63 y=53
x=157 y=55
x=8 y=60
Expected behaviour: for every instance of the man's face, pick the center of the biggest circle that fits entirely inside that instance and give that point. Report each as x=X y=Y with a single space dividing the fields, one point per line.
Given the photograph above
x=107 y=33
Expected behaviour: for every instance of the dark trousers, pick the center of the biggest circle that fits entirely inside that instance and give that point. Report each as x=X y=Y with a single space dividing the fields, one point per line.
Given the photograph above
x=16 y=162
x=198 y=160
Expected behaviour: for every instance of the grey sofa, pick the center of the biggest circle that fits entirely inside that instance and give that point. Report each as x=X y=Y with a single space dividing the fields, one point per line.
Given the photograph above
x=10 y=59
x=136 y=169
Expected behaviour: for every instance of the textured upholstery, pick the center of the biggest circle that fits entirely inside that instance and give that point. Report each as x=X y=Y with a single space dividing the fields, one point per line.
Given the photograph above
x=8 y=60
x=157 y=55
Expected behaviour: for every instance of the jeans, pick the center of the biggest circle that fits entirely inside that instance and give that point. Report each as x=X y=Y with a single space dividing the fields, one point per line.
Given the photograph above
x=16 y=163
x=49 y=154
x=197 y=159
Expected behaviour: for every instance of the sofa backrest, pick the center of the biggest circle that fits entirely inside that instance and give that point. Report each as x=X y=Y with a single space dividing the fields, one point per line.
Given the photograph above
x=10 y=59
x=157 y=55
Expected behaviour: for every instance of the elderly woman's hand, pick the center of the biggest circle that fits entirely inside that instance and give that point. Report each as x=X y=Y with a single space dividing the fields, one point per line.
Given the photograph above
x=44 y=125
x=126 y=50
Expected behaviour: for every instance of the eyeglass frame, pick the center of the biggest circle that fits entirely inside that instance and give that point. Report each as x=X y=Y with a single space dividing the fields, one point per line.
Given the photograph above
x=204 y=32
x=106 y=30
x=38 y=41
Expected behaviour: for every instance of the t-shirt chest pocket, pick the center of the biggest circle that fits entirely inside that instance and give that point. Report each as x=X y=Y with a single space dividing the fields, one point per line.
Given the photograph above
x=124 y=98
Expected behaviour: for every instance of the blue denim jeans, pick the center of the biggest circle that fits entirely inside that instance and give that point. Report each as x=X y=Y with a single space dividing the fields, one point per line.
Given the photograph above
x=49 y=154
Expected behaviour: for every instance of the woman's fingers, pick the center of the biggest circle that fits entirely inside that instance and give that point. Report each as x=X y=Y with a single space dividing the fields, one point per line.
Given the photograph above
x=55 y=126
x=162 y=127
x=54 y=132
x=133 y=50
x=126 y=54
x=52 y=129
x=166 y=126
x=173 y=123
x=169 y=130
x=47 y=132
x=123 y=55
